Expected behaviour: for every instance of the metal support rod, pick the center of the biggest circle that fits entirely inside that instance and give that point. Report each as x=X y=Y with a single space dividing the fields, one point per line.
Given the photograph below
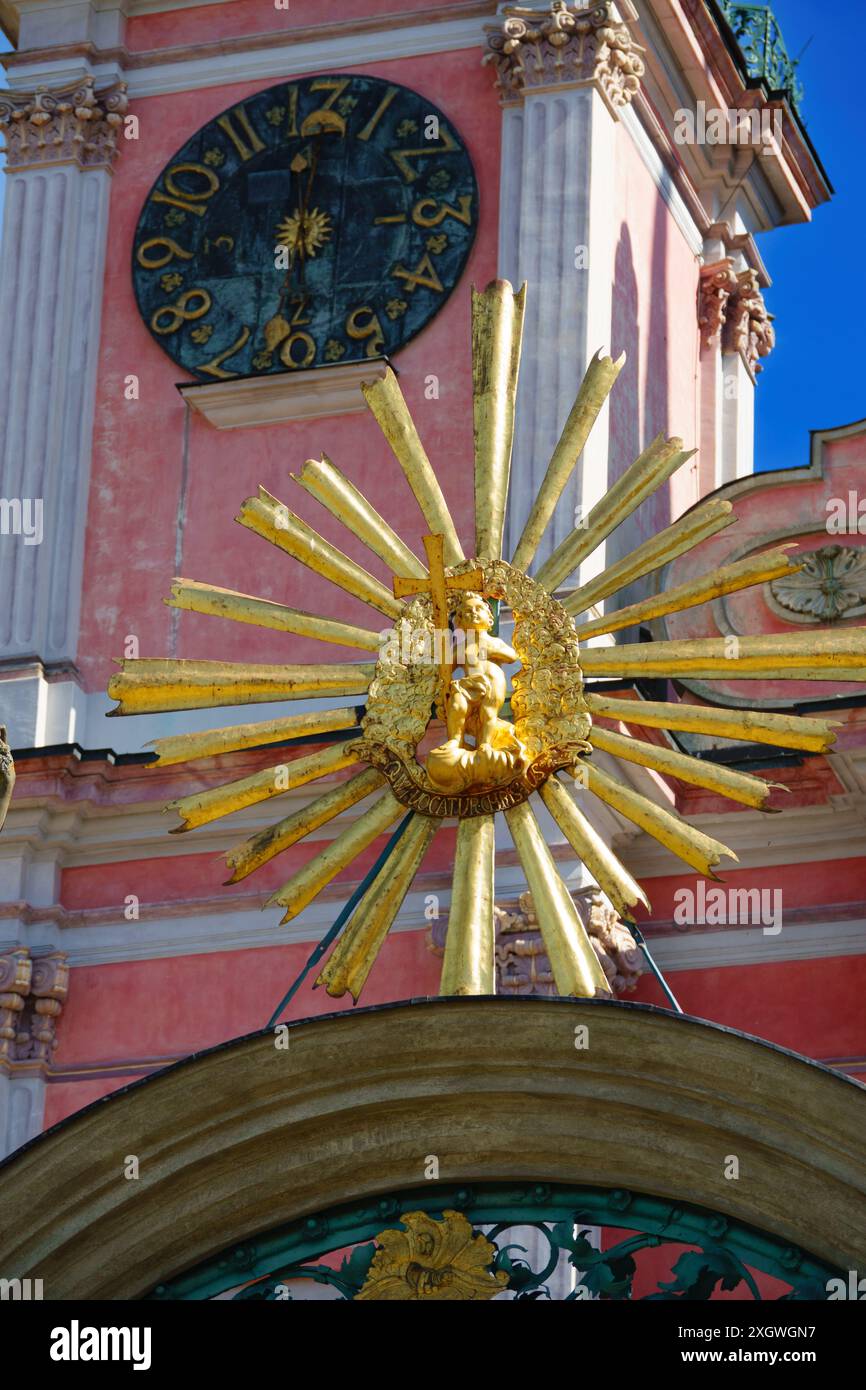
x=639 y=938
x=334 y=931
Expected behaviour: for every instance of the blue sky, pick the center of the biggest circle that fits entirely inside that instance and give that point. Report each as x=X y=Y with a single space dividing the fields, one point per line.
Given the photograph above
x=813 y=380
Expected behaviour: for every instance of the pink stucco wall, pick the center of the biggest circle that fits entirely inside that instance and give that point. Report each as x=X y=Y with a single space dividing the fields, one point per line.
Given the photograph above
x=145 y=473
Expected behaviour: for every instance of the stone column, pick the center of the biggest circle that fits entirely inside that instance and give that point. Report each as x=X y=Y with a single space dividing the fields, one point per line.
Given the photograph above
x=60 y=147
x=564 y=72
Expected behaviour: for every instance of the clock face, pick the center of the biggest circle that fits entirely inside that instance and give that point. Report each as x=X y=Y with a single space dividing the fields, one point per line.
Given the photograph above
x=318 y=222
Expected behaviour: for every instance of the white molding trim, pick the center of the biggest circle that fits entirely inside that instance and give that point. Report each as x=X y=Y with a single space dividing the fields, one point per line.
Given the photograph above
x=279 y=398
x=705 y=950
x=281 y=56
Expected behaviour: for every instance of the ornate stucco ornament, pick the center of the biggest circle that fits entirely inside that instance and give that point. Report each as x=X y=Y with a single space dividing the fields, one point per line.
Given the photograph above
x=522 y=967
x=748 y=326
x=718 y=283
x=75 y=124
x=432 y=1261
x=437 y=735
x=564 y=44
x=830 y=584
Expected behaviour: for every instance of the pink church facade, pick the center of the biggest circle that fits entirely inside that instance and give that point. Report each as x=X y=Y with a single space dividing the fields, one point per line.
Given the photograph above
x=627 y=238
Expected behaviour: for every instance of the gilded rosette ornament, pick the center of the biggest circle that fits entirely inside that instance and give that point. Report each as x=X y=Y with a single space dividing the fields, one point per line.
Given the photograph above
x=432 y=1261
x=482 y=690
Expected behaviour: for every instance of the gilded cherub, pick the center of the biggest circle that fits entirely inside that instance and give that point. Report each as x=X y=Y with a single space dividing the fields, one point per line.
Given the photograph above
x=472 y=704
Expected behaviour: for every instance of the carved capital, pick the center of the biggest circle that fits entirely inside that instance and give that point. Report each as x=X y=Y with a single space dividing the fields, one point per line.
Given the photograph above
x=718 y=283
x=748 y=326
x=75 y=124
x=32 y=994
x=522 y=966
x=562 y=44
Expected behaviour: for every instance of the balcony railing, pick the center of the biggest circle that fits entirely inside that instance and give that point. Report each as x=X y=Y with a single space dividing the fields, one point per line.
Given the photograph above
x=760 y=39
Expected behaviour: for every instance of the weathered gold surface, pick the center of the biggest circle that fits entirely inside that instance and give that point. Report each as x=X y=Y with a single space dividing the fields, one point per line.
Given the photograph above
x=654 y=466
x=755 y=569
x=211 y=743
x=697 y=525
x=737 y=786
x=497 y=328
x=245 y=858
x=432 y=1261
x=270 y=518
x=481 y=751
x=575 y=965
x=308 y=882
x=385 y=400
x=438 y=585
x=782 y=730
x=600 y=375
x=813 y=656
x=155 y=685
x=246 y=1137
x=692 y=846
x=195 y=597
x=469 y=966
x=354 y=955
x=324 y=481
x=611 y=876
x=204 y=806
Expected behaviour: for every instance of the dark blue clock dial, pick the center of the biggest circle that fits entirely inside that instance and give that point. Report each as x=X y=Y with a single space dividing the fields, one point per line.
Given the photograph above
x=320 y=221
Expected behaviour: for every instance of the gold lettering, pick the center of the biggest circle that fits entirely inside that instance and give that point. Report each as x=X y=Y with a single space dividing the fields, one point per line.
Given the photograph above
x=401 y=157
x=423 y=274
x=226 y=123
x=173 y=250
x=214 y=368
x=178 y=312
x=377 y=114
x=371 y=329
x=442 y=210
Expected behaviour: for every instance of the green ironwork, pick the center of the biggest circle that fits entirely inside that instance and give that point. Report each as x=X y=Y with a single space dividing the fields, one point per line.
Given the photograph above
x=757 y=32
x=725 y=1253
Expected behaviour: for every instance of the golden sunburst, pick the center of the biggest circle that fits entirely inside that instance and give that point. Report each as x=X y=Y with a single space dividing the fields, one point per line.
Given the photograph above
x=495 y=754
x=304 y=231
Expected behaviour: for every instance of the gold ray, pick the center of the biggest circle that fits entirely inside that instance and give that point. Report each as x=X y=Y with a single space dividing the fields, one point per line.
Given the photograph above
x=156 y=685
x=469 y=966
x=204 y=806
x=756 y=569
x=697 y=525
x=269 y=517
x=810 y=656
x=385 y=399
x=195 y=597
x=323 y=480
x=690 y=845
x=576 y=968
x=612 y=877
x=737 y=786
x=308 y=882
x=245 y=858
x=352 y=958
x=782 y=730
x=497 y=329
x=598 y=380
x=211 y=743
x=657 y=462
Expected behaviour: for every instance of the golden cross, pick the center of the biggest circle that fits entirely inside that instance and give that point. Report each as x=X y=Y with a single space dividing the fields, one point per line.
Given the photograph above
x=438 y=586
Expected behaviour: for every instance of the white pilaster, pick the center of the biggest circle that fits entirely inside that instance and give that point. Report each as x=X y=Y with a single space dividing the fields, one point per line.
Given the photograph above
x=60 y=147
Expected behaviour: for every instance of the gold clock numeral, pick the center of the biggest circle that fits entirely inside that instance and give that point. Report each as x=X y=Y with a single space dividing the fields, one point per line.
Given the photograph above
x=395 y=217
x=178 y=313
x=226 y=124
x=187 y=199
x=173 y=250
x=378 y=114
x=441 y=211
x=214 y=367
x=401 y=157
x=292 y=125
x=371 y=329
x=335 y=85
x=423 y=274
x=287 y=351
